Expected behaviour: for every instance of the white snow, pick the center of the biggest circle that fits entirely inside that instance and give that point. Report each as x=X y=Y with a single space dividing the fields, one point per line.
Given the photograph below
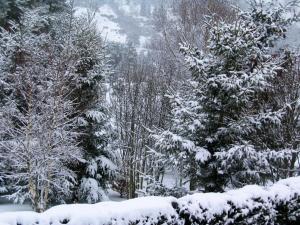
x=85 y=214
x=106 y=10
x=171 y=179
x=14 y=208
x=115 y=196
x=108 y=94
x=143 y=40
x=130 y=8
x=202 y=154
x=107 y=163
x=104 y=16
x=203 y=206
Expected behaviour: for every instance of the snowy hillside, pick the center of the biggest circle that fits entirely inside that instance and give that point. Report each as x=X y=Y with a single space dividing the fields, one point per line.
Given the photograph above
x=121 y=20
x=106 y=23
x=124 y=21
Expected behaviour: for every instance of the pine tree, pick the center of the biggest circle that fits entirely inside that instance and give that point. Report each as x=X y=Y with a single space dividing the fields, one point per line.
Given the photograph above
x=11 y=10
x=232 y=109
x=178 y=146
x=99 y=166
x=55 y=5
x=94 y=122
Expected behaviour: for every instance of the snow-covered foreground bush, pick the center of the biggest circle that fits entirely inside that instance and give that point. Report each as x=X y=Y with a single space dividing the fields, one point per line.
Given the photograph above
x=251 y=205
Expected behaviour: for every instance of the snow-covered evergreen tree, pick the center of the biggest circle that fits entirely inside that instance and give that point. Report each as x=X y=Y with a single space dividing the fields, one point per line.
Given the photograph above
x=99 y=166
x=10 y=11
x=178 y=147
x=65 y=65
x=93 y=117
x=230 y=118
x=39 y=138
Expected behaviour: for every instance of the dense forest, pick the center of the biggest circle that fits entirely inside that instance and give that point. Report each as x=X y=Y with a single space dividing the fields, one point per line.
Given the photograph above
x=211 y=102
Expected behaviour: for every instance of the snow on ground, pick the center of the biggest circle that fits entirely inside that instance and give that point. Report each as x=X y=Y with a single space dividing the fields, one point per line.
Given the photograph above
x=106 y=10
x=115 y=196
x=172 y=179
x=142 y=48
x=130 y=9
x=121 y=21
x=104 y=16
x=9 y=207
x=84 y=214
x=201 y=206
x=14 y=208
x=143 y=40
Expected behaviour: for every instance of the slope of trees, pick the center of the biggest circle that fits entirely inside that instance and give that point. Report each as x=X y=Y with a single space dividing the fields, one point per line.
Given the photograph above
x=138 y=104
x=214 y=100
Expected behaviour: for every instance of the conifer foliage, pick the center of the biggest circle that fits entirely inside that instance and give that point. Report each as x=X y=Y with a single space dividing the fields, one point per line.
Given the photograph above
x=10 y=11
x=54 y=123
x=227 y=127
x=94 y=123
x=80 y=115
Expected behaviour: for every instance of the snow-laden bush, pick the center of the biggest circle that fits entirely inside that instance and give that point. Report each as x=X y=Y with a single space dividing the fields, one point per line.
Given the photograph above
x=251 y=205
x=159 y=189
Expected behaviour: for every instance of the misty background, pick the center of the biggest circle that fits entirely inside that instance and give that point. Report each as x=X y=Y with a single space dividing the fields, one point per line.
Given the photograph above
x=131 y=21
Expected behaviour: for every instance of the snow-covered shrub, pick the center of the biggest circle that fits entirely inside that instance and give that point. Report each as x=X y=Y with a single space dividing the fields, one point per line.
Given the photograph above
x=159 y=189
x=90 y=187
x=154 y=187
x=251 y=205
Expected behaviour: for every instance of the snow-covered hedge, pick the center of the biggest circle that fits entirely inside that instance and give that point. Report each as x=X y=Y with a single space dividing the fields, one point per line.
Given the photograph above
x=251 y=205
